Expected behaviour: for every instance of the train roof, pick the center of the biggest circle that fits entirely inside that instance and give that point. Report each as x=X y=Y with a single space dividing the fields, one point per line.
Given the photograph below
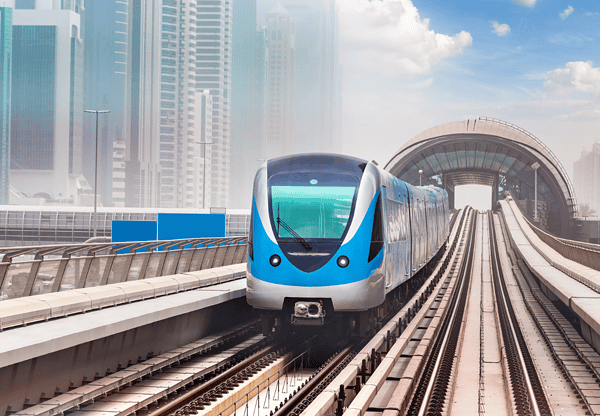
x=326 y=162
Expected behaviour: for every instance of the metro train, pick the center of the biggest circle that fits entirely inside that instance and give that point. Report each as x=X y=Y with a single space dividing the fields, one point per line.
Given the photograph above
x=332 y=236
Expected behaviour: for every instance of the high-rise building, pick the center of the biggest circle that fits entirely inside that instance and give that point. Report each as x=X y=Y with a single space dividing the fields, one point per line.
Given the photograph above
x=106 y=41
x=213 y=72
x=179 y=127
x=5 y=99
x=586 y=178
x=203 y=154
x=47 y=99
x=122 y=75
x=244 y=107
x=318 y=78
x=142 y=170
x=261 y=94
x=281 y=33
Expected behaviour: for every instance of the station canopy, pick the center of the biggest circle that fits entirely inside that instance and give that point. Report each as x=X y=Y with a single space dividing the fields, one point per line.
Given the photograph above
x=489 y=152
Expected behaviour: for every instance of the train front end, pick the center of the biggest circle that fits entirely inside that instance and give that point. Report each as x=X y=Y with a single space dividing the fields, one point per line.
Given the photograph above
x=311 y=253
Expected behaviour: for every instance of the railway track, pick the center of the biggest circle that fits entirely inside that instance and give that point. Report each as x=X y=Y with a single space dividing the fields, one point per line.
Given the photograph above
x=527 y=390
x=163 y=378
x=308 y=386
x=398 y=349
x=246 y=372
x=577 y=360
x=430 y=395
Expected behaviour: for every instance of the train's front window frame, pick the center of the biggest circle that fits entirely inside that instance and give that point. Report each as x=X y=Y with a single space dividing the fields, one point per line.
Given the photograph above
x=326 y=200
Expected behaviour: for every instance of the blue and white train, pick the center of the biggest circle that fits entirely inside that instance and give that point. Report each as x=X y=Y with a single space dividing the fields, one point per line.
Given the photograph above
x=334 y=234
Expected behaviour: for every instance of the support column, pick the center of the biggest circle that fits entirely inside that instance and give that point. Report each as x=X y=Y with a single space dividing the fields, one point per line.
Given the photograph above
x=495 y=190
x=448 y=185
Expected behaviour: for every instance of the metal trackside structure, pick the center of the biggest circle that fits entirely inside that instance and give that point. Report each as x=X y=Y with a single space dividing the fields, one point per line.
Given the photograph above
x=26 y=271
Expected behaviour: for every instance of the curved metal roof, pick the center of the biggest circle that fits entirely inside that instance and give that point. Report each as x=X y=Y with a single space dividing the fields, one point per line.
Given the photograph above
x=481 y=151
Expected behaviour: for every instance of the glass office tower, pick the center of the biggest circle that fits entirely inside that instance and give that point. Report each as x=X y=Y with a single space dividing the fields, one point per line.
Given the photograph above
x=47 y=101
x=5 y=97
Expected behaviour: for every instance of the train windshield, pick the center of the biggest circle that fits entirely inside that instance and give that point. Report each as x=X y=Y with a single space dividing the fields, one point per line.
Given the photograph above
x=312 y=210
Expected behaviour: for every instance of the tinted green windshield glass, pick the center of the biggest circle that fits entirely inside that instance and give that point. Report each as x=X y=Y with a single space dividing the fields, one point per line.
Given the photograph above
x=313 y=212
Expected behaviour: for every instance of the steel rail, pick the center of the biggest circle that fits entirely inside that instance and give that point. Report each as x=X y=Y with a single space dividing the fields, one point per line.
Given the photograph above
x=409 y=318
x=508 y=321
x=193 y=394
x=528 y=285
x=451 y=330
x=297 y=403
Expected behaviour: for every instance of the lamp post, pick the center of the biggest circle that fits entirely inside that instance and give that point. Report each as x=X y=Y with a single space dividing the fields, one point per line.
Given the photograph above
x=96 y=169
x=204 y=174
x=535 y=168
x=420 y=174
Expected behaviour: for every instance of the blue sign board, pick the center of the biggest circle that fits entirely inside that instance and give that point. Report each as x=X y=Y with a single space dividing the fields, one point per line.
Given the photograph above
x=178 y=226
x=126 y=231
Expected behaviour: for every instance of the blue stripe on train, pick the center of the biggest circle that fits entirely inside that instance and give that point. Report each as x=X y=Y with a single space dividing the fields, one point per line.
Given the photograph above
x=357 y=250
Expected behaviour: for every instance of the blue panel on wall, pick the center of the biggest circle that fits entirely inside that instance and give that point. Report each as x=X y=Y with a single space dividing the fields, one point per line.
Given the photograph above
x=178 y=226
x=125 y=231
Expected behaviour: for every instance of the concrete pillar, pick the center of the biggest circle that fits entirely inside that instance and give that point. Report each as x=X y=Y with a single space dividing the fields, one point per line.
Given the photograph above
x=448 y=185
x=495 y=190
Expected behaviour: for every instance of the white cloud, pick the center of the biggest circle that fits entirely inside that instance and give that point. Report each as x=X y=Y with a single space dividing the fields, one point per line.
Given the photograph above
x=501 y=29
x=528 y=3
x=565 y=13
x=391 y=36
x=575 y=76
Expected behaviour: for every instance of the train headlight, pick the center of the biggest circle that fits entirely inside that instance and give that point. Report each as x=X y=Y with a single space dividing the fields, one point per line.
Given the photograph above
x=343 y=261
x=275 y=260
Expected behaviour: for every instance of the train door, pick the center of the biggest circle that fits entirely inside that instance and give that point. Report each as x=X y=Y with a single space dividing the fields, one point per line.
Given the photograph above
x=411 y=231
x=405 y=241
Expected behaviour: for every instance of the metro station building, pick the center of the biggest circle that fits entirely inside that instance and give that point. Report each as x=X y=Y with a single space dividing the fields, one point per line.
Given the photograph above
x=495 y=153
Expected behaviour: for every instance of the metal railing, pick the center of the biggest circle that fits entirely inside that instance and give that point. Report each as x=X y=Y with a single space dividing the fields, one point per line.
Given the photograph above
x=582 y=253
x=26 y=271
x=586 y=254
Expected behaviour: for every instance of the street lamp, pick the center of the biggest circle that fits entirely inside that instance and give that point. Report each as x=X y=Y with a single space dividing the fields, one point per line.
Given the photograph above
x=96 y=169
x=535 y=168
x=420 y=173
x=204 y=174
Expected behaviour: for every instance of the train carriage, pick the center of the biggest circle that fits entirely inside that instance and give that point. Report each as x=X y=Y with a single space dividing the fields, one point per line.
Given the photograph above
x=332 y=235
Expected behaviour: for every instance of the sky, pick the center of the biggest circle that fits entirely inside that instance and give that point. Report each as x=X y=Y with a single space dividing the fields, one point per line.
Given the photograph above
x=410 y=65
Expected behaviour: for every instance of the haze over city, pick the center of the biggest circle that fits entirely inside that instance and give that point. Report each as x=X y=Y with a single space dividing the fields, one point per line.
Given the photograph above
x=355 y=77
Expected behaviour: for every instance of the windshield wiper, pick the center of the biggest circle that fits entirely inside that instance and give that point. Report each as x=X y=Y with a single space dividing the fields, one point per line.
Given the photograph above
x=293 y=233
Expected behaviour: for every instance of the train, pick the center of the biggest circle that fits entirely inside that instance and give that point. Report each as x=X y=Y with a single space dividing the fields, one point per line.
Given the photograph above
x=331 y=236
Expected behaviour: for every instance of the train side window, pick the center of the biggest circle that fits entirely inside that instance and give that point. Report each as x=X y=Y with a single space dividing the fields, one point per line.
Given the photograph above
x=377 y=233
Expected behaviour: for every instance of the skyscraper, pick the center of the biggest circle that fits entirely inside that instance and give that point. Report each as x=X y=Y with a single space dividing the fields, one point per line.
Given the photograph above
x=5 y=99
x=318 y=79
x=281 y=33
x=213 y=72
x=106 y=41
x=142 y=169
x=180 y=104
x=47 y=99
x=586 y=178
x=203 y=154
x=122 y=75
x=244 y=107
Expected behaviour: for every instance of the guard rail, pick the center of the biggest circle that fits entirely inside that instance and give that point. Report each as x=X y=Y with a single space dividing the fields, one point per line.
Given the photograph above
x=26 y=271
x=583 y=253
